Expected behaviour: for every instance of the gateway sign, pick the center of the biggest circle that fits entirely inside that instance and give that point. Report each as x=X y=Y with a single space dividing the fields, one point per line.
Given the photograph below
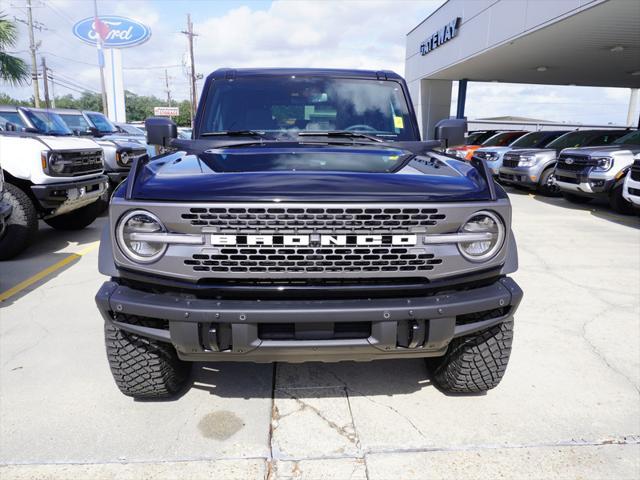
x=443 y=35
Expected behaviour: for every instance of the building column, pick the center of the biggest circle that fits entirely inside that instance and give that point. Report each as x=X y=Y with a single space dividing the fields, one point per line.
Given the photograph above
x=435 y=105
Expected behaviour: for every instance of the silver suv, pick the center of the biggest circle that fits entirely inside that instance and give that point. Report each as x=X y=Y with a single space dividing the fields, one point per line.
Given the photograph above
x=533 y=168
x=583 y=174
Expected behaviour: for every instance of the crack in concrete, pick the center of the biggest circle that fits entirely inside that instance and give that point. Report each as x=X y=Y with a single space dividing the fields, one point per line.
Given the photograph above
x=342 y=431
x=367 y=397
x=601 y=356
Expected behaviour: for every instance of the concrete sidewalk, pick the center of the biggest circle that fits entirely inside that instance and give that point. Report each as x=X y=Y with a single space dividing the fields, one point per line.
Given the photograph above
x=569 y=406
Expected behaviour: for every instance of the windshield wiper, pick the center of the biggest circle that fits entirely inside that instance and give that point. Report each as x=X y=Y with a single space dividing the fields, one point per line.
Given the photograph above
x=236 y=133
x=340 y=133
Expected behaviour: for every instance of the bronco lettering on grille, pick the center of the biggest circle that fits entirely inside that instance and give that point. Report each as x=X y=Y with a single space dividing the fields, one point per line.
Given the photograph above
x=304 y=240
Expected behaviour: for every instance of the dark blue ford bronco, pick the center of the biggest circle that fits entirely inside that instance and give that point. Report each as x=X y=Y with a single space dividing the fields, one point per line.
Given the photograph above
x=306 y=221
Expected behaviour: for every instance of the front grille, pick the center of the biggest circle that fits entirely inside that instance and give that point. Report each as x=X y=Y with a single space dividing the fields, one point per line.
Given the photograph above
x=511 y=161
x=635 y=171
x=562 y=178
x=314 y=260
x=635 y=192
x=577 y=162
x=315 y=220
x=81 y=162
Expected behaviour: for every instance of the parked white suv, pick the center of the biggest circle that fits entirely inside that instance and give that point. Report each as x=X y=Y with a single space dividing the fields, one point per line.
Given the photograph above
x=49 y=174
x=631 y=189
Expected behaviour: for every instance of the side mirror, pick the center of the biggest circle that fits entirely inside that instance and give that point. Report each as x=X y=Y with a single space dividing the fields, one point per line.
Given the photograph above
x=160 y=131
x=450 y=131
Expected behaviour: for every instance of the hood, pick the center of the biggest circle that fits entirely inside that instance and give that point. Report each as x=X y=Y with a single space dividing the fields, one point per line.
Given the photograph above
x=532 y=151
x=602 y=150
x=121 y=141
x=308 y=174
x=68 y=142
x=494 y=149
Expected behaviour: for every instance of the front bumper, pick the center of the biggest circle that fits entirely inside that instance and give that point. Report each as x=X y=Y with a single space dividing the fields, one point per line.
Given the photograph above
x=5 y=213
x=116 y=178
x=525 y=176
x=631 y=191
x=62 y=198
x=583 y=183
x=310 y=330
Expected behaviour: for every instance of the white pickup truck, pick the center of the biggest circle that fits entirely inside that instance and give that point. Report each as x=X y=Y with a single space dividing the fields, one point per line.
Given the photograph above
x=49 y=174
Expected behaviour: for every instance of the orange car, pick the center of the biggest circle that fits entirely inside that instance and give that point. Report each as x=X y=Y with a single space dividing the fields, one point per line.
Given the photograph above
x=501 y=139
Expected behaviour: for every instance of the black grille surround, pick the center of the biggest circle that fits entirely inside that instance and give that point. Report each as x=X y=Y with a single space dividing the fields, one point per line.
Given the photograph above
x=78 y=162
x=335 y=221
x=577 y=163
x=635 y=171
x=511 y=161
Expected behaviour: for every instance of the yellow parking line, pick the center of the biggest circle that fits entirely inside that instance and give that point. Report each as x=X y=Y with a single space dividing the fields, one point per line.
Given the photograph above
x=47 y=271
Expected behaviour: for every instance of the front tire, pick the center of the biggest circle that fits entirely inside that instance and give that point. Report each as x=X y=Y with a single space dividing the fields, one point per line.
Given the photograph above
x=577 y=199
x=77 y=219
x=618 y=203
x=144 y=368
x=474 y=363
x=547 y=187
x=22 y=225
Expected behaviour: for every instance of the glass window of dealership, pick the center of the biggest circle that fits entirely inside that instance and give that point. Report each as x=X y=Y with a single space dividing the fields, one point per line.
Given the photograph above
x=552 y=42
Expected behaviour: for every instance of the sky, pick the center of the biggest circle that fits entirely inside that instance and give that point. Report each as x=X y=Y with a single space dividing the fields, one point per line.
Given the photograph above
x=367 y=34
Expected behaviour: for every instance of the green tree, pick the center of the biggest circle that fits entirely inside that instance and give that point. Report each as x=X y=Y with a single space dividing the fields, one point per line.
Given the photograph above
x=13 y=70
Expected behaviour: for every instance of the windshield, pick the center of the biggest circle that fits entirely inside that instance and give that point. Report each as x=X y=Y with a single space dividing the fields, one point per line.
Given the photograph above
x=102 y=123
x=313 y=159
x=11 y=117
x=502 y=139
x=310 y=104
x=534 y=140
x=131 y=130
x=572 y=139
x=47 y=122
x=632 y=138
x=75 y=121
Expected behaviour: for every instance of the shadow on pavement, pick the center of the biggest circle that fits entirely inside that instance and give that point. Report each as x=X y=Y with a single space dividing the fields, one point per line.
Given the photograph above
x=44 y=253
x=357 y=379
x=597 y=207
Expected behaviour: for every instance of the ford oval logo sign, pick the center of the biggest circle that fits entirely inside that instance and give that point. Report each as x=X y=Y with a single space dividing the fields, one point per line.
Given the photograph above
x=117 y=32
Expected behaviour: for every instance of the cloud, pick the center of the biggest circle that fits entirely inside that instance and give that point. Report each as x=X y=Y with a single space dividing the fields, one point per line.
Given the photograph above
x=366 y=34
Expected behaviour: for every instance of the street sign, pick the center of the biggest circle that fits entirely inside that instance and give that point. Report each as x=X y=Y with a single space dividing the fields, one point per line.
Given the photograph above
x=116 y=32
x=166 y=111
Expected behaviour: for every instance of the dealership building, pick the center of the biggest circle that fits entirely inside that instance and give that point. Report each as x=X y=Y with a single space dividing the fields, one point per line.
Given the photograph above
x=546 y=42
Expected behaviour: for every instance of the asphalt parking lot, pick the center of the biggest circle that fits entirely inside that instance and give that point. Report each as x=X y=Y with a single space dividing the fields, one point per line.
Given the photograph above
x=568 y=407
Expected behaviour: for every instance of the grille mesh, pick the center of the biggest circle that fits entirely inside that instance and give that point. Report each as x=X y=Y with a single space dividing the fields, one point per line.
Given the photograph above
x=511 y=161
x=308 y=259
x=635 y=171
x=580 y=162
x=243 y=220
x=81 y=162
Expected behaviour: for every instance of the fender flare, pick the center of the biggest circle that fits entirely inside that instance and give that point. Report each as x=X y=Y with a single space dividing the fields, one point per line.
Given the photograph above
x=106 y=264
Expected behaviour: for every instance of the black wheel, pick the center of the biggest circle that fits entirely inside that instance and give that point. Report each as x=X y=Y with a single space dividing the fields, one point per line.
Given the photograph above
x=144 y=368
x=547 y=185
x=577 y=199
x=22 y=225
x=77 y=219
x=618 y=203
x=475 y=363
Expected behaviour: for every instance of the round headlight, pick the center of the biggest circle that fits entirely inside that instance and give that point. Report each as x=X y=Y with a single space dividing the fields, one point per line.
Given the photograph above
x=132 y=245
x=492 y=227
x=56 y=162
x=124 y=158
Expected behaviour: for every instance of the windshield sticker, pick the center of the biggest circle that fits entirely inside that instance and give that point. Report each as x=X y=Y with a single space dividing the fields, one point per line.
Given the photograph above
x=398 y=122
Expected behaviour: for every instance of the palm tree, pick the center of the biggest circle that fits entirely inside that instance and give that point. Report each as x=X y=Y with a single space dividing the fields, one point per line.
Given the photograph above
x=13 y=70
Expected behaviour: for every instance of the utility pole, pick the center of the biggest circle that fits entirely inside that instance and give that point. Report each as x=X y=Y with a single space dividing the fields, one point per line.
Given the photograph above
x=100 y=61
x=166 y=82
x=189 y=33
x=45 y=79
x=34 y=63
x=53 y=90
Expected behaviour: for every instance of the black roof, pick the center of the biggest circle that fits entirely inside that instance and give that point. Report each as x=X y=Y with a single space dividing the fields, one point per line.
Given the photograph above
x=317 y=72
